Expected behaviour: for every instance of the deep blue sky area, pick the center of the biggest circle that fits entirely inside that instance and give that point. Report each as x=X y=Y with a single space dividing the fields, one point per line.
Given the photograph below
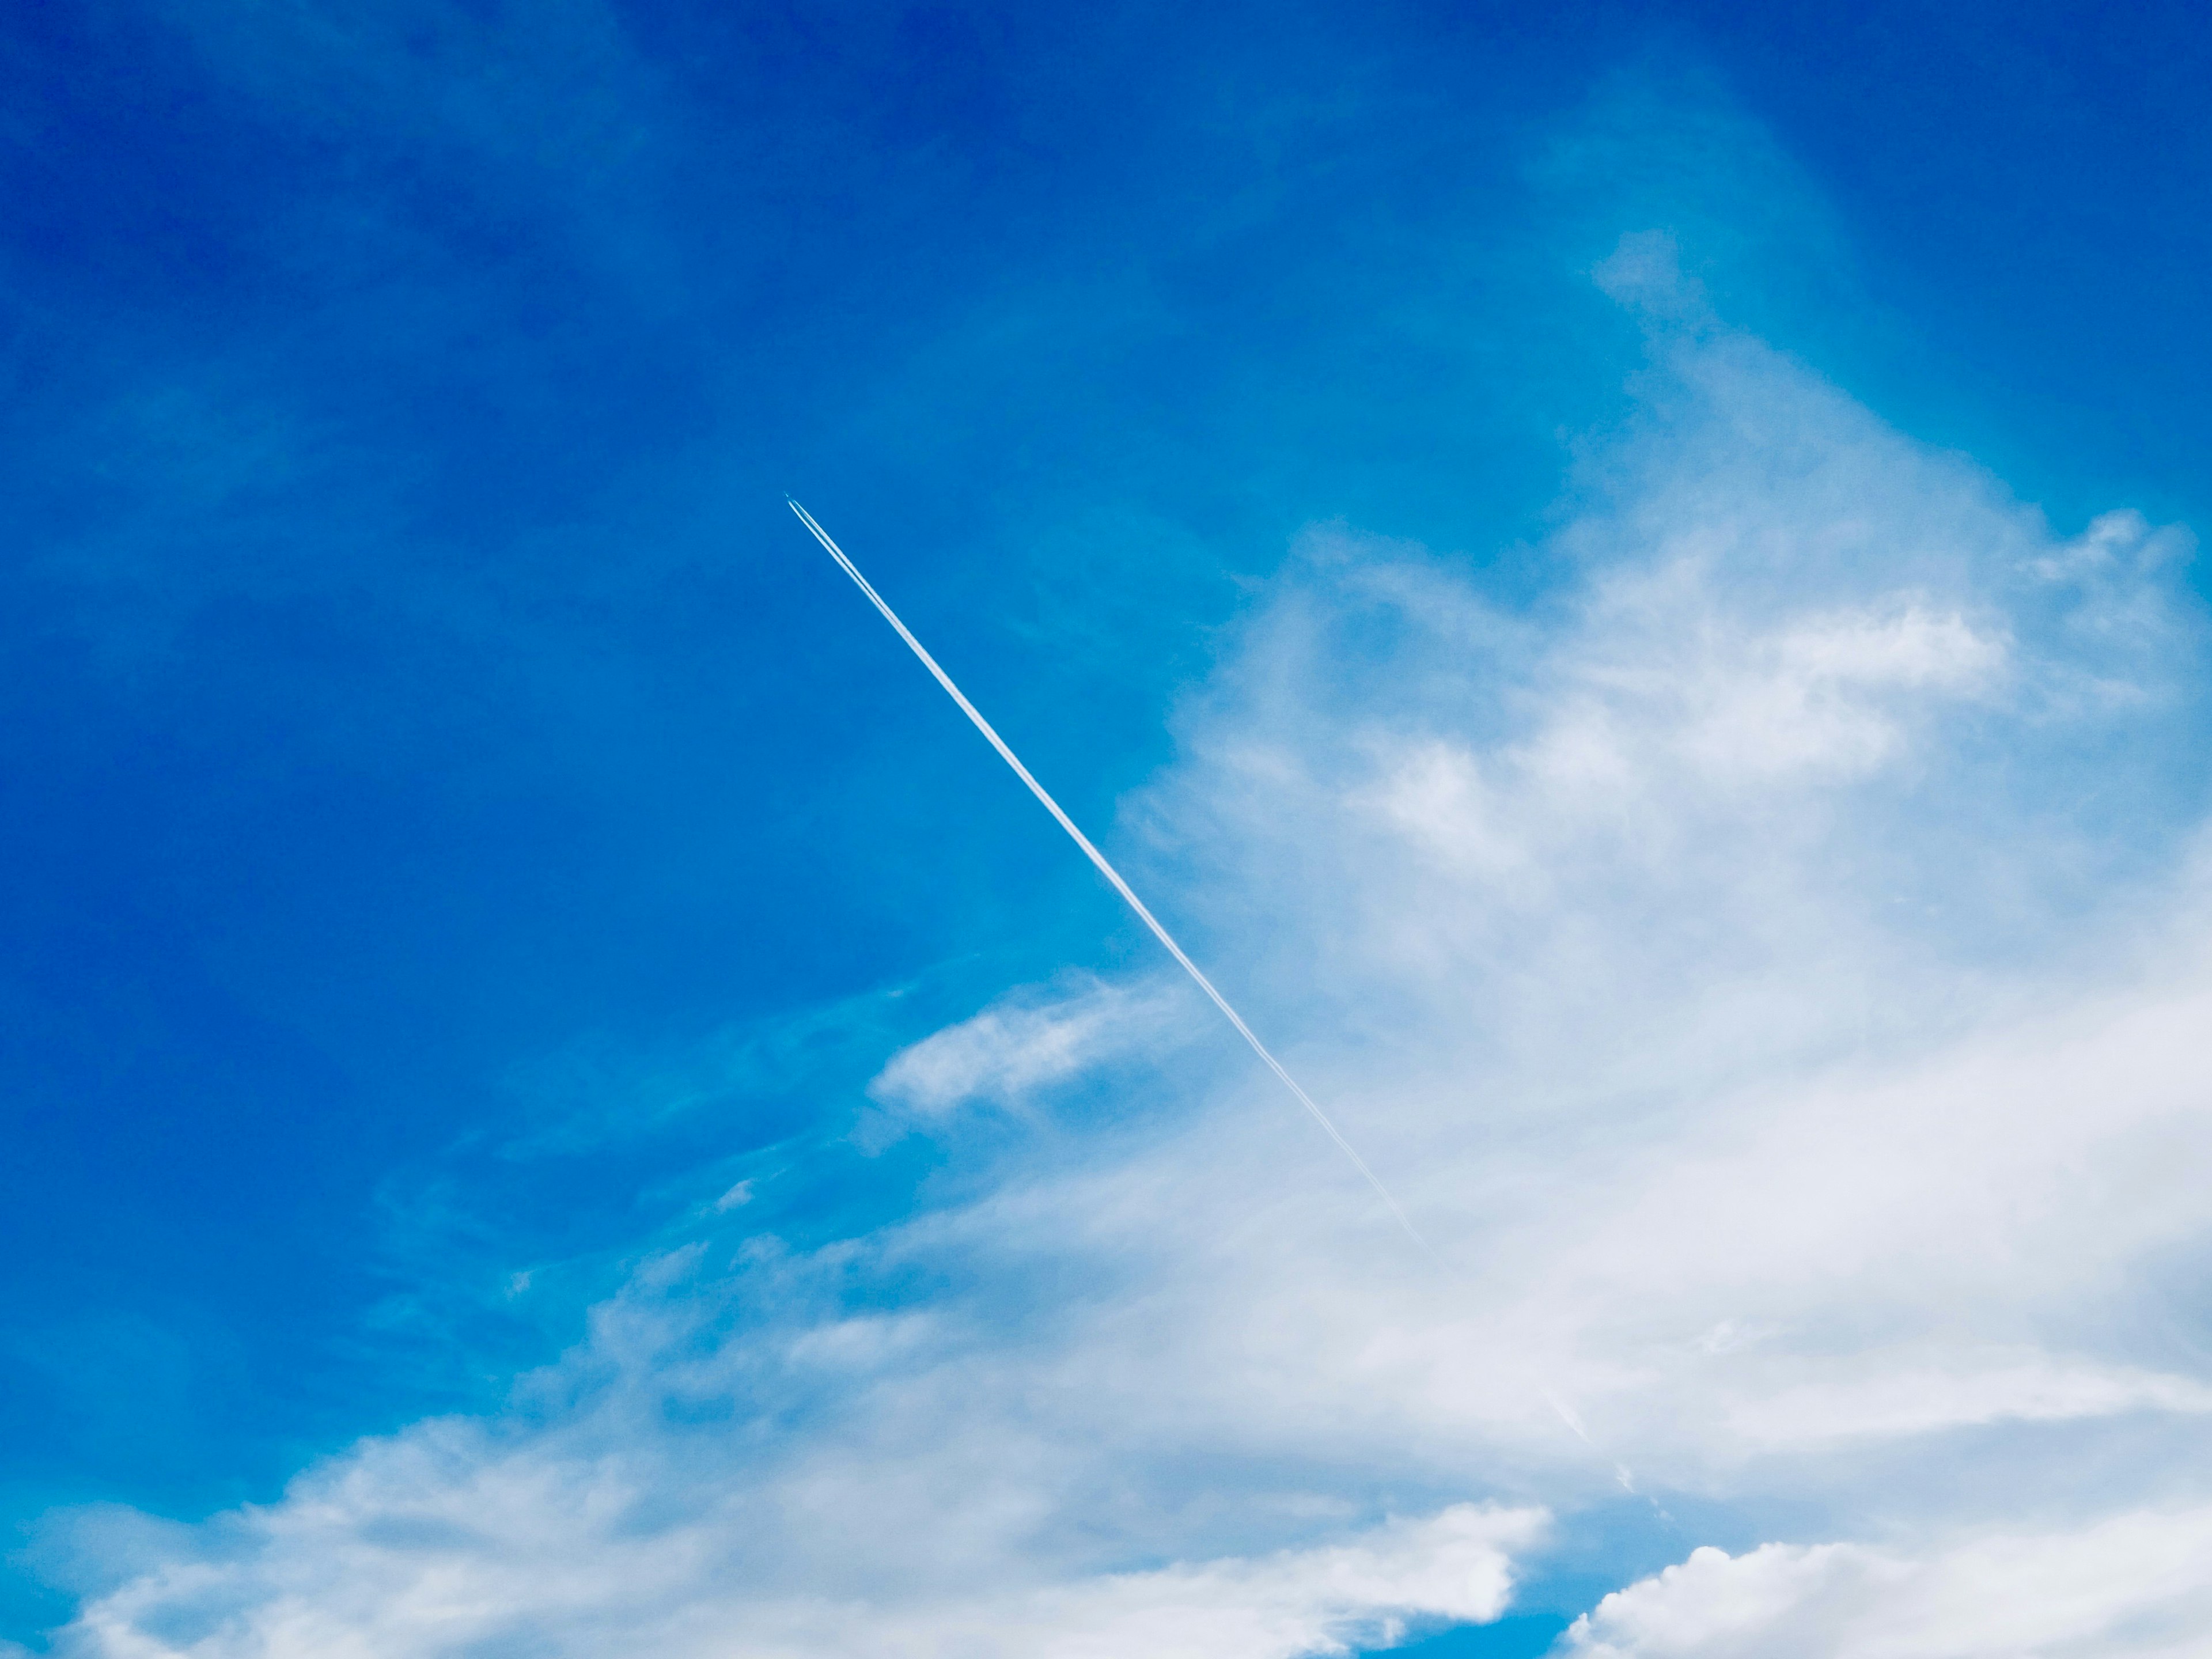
x=423 y=731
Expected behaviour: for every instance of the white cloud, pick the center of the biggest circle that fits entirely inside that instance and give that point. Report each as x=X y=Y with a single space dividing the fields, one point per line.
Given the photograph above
x=2132 y=1587
x=1886 y=1394
x=446 y=1541
x=1772 y=969
x=1455 y=1566
x=1021 y=1044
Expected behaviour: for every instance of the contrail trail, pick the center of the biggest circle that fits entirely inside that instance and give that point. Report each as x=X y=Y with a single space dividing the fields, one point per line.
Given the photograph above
x=1104 y=869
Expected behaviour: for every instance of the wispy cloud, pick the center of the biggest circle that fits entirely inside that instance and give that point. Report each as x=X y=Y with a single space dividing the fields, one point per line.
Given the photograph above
x=1737 y=962
x=1023 y=1043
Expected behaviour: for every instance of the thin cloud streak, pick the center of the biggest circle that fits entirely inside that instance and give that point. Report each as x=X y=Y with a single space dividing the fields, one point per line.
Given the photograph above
x=1107 y=870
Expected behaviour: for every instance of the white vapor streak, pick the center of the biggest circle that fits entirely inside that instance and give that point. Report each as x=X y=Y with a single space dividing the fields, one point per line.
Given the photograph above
x=1105 y=869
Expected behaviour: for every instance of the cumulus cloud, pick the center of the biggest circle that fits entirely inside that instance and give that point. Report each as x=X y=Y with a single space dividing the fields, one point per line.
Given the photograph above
x=2134 y=1584
x=1772 y=967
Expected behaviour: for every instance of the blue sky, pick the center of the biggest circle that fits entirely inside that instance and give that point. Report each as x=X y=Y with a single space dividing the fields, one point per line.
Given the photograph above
x=1622 y=573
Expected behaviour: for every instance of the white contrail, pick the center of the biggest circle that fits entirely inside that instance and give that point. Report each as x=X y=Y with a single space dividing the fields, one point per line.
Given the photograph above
x=1104 y=868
